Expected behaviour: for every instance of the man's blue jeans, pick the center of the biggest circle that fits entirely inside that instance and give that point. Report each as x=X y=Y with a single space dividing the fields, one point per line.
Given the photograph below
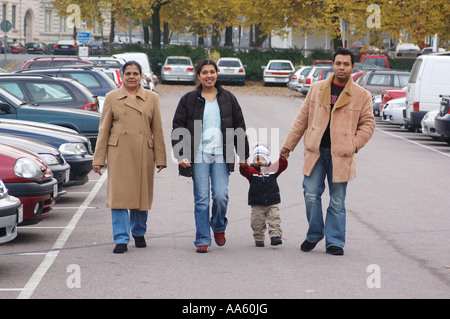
x=209 y=171
x=123 y=223
x=314 y=186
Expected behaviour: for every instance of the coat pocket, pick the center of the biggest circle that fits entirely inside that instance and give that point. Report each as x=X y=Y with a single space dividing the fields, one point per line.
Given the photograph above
x=113 y=141
x=150 y=143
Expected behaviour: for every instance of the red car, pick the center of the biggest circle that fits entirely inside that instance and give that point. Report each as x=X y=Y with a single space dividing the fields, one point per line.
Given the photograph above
x=18 y=48
x=28 y=177
x=390 y=94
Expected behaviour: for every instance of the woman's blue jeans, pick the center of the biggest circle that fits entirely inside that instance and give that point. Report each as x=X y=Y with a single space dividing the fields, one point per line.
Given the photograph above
x=123 y=223
x=313 y=187
x=210 y=175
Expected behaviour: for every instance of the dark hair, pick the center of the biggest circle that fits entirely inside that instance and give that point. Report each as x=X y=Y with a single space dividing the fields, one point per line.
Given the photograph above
x=131 y=63
x=344 y=51
x=204 y=62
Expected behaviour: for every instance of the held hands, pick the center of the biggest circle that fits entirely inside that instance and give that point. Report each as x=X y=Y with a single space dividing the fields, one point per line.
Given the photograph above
x=184 y=163
x=284 y=153
x=97 y=169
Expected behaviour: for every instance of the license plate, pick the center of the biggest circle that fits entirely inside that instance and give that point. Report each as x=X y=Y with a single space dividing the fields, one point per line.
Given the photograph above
x=20 y=214
x=64 y=47
x=67 y=175
x=228 y=70
x=280 y=80
x=55 y=190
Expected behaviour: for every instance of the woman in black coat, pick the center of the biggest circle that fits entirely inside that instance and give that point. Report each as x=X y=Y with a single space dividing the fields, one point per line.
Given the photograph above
x=207 y=128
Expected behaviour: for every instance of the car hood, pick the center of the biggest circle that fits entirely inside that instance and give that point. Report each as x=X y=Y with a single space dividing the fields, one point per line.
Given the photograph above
x=39 y=124
x=34 y=146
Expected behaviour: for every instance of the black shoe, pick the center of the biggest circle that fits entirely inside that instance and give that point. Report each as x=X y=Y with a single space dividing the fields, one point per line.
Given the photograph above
x=139 y=242
x=335 y=250
x=307 y=246
x=259 y=243
x=120 y=248
x=275 y=241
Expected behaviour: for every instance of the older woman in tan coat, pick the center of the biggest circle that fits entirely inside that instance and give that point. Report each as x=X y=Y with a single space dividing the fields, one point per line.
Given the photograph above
x=131 y=140
x=336 y=120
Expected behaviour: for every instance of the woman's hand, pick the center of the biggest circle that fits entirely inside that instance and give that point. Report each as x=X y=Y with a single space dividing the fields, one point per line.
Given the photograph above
x=160 y=168
x=185 y=163
x=98 y=169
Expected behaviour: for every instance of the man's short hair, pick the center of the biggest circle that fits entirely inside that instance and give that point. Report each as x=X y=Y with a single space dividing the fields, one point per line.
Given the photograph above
x=344 y=51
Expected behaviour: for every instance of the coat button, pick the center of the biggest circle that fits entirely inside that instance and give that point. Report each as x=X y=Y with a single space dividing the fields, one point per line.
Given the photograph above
x=125 y=132
x=126 y=113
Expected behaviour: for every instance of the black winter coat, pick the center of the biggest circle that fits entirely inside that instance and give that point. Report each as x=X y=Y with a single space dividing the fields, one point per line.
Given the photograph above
x=187 y=127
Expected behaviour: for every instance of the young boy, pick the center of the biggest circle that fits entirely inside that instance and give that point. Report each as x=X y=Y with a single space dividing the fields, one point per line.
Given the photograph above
x=264 y=194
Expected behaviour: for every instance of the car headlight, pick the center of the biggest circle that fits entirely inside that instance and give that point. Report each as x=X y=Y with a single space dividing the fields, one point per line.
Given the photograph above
x=3 y=190
x=49 y=159
x=73 y=149
x=26 y=168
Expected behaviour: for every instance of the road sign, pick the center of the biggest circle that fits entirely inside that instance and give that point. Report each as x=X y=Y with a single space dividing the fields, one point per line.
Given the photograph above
x=84 y=37
x=5 y=25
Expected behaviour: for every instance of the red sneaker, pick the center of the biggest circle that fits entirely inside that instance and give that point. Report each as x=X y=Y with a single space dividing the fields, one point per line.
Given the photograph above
x=202 y=249
x=220 y=239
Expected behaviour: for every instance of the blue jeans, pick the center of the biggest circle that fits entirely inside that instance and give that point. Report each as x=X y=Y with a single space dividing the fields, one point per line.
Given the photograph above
x=123 y=222
x=314 y=186
x=209 y=171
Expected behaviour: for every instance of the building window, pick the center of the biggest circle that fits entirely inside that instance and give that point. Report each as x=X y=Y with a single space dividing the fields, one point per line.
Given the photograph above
x=4 y=12
x=13 y=18
x=62 y=24
x=48 y=20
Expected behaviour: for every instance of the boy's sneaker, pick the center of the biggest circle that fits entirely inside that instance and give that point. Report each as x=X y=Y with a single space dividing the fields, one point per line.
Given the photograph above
x=274 y=241
x=120 y=248
x=139 y=242
x=202 y=249
x=220 y=238
x=259 y=243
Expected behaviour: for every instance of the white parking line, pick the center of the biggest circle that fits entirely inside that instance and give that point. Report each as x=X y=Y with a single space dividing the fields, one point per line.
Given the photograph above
x=50 y=257
x=416 y=143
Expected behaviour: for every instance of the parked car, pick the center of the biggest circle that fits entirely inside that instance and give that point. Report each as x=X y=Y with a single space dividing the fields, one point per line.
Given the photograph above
x=278 y=72
x=84 y=122
x=4 y=48
x=37 y=48
x=178 y=69
x=390 y=94
x=375 y=81
x=142 y=59
x=52 y=62
x=405 y=51
x=375 y=60
x=293 y=83
x=429 y=126
x=327 y=63
x=442 y=120
x=98 y=48
x=312 y=77
x=17 y=48
x=325 y=73
x=231 y=70
x=75 y=148
x=11 y=214
x=50 y=154
x=66 y=47
x=28 y=178
x=46 y=91
x=429 y=79
x=106 y=62
x=95 y=80
x=392 y=111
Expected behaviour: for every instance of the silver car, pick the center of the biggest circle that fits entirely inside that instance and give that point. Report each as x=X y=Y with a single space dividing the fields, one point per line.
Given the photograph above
x=178 y=69
x=231 y=70
x=11 y=214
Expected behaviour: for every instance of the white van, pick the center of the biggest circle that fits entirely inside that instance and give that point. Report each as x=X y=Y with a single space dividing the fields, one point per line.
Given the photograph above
x=430 y=77
x=142 y=59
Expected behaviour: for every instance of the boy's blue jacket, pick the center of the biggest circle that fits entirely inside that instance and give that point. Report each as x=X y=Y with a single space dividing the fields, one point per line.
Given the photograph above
x=264 y=188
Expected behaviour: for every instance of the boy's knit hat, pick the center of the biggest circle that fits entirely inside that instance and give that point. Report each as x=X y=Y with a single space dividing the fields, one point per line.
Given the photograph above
x=262 y=150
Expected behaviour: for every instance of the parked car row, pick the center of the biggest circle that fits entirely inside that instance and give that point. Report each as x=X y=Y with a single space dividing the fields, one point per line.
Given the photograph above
x=423 y=105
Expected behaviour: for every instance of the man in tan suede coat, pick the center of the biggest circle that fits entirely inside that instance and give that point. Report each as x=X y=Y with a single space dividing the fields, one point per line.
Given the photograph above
x=336 y=120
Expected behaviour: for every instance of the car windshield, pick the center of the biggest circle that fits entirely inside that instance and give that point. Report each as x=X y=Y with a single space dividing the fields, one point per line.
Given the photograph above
x=178 y=61
x=375 y=61
x=230 y=63
x=280 y=66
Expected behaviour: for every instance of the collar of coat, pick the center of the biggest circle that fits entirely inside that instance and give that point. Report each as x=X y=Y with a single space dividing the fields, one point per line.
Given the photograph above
x=325 y=92
x=123 y=93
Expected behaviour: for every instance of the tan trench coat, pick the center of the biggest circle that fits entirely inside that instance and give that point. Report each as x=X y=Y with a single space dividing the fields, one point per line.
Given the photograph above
x=352 y=125
x=131 y=139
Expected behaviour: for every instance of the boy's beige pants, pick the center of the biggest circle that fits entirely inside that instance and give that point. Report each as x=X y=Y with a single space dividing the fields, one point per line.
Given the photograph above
x=262 y=215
